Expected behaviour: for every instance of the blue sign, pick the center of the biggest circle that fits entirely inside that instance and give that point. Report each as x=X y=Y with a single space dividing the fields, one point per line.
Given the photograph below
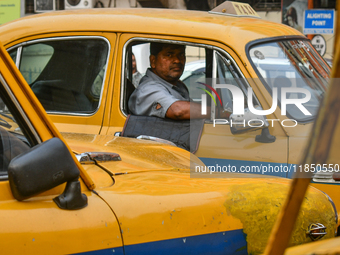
x=318 y=22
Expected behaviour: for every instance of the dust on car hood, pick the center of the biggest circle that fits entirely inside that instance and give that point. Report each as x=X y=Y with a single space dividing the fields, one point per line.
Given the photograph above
x=136 y=155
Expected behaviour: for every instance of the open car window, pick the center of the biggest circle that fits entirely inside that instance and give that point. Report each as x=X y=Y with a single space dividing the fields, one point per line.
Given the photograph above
x=199 y=73
x=137 y=62
x=66 y=74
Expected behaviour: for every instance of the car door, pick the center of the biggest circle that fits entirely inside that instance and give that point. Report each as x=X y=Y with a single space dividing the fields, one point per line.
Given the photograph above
x=37 y=225
x=207 y=63
x=253 y=150
x=70 y=75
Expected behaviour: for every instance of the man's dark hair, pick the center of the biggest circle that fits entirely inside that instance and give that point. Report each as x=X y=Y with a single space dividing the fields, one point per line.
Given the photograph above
x=156 y=47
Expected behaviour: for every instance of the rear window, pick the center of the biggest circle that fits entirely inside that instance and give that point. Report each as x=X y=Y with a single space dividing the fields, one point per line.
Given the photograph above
x=66 y=75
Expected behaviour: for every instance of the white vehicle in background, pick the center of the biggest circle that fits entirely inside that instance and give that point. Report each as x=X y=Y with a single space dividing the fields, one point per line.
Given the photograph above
x=193 y=75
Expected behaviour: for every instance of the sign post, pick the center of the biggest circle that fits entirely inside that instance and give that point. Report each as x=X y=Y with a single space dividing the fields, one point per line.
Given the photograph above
x=319 y=44
x=318 y=22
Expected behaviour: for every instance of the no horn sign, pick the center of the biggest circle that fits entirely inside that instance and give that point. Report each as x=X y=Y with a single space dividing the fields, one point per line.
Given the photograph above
x=319 y=44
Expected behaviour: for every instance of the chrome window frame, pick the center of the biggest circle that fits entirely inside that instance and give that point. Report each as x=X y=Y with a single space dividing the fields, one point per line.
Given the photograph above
x=18 y=59
x=241 y=86
x=223 y=53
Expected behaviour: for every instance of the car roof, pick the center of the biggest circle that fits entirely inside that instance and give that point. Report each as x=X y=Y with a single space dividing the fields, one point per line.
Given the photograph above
x=216 y=27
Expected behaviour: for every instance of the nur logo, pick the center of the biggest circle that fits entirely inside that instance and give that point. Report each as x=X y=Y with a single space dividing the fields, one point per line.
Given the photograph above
x=238 y=99
x=204 y=97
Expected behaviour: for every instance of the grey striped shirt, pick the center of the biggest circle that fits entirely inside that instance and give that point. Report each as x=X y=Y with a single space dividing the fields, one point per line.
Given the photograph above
x=153 y=90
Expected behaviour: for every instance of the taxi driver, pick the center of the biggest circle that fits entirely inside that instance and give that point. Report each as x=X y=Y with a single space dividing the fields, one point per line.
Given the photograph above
x=160 y=92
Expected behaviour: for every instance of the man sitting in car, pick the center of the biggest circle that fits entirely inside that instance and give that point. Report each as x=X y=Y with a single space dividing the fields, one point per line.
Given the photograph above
x=160 y=92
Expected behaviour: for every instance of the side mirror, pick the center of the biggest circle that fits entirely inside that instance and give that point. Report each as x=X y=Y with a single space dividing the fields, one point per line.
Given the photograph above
x=240 y=124
x=44 y=167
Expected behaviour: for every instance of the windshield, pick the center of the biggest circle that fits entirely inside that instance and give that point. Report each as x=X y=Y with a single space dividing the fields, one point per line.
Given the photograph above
x=292 y=64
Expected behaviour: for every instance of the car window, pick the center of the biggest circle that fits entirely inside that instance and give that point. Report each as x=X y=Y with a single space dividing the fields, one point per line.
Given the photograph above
x=137 y=62
x=197 y=77
x=67 y=75
x=12 y=140
x=225 y=76
x=139 y=51
x=34 y=59
x=292 y=64
x=13 y=55
x=228 y=73
x=195 y=71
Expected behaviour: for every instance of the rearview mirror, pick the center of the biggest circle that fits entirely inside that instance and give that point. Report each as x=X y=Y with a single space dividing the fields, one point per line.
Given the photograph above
x=42 y=168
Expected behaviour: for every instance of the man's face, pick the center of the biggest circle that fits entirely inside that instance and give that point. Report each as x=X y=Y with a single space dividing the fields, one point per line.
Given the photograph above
x=169 y=63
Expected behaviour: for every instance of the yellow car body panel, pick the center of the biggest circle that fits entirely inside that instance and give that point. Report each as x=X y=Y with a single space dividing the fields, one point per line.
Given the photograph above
x=183 y=208
x=242 y=148
x=37 y=226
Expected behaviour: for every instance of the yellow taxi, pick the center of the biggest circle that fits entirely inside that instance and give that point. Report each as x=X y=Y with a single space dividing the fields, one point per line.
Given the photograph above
x=79 y=64
x=126 y=196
